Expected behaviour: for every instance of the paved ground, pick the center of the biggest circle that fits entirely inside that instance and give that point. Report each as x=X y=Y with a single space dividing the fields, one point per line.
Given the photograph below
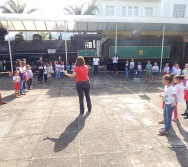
x=43 y=129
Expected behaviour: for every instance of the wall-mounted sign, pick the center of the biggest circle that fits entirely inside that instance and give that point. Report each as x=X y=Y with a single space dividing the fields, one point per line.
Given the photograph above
x=51 y=51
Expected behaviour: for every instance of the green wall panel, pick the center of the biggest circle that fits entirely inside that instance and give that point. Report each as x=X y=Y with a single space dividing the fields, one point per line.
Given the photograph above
x=86 y=53
x=146 y=52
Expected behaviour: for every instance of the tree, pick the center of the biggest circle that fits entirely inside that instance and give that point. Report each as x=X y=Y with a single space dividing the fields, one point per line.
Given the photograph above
x=15 y=7
x=47 y=36
x=78 y=10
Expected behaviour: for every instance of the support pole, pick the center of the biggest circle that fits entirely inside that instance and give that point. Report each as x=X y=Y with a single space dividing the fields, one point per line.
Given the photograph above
x=183 y=57
x=116 y=40
x=65 y=42
x=10 y=53
x=162 y=49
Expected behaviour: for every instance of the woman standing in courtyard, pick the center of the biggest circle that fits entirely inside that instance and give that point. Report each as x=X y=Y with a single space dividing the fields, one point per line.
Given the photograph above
x=82 y=83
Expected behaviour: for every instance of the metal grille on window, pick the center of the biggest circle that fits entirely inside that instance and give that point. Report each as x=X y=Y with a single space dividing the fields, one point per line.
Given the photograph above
x=123 y=12
x=129 y=11
x=135 y=11
x=179 y=10
x=110 y=10
x=148 y=11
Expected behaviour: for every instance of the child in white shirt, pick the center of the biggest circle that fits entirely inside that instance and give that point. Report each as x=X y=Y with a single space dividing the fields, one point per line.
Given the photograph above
x=16 y=80
x=30 y=76
x=57 y=68
x=170 y=102
x=155 y=71
x=51 y=71
x=45 y=72
x=174 y=68
x=62 y=69
x=166 y=69
x=179 y=88
x=177 y=70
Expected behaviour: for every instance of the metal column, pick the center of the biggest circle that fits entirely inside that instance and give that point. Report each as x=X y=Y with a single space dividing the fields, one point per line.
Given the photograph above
x=116 y=40
x=9 y=49
x=182 y=62
x=65 y=42
x=162 y=49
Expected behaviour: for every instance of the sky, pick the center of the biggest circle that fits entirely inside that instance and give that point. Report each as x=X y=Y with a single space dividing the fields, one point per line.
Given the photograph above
x=46 y=6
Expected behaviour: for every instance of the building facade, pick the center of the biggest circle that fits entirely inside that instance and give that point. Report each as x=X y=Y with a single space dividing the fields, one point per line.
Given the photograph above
x=143 y=8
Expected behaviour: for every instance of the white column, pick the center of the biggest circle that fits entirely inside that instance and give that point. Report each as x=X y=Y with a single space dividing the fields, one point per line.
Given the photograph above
x=162 y=49
x=65 y=42
x=116 y=40
x=10 y=53
x=98 y=46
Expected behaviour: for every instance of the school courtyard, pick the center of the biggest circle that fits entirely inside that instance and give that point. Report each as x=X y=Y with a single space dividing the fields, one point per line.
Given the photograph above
x=44 y=129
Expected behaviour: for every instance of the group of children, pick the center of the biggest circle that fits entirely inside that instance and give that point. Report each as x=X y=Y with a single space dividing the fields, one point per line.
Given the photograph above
x=60 y=67
x=22 y=75
x=175 y=90
x=151 y=71
x=45 y=70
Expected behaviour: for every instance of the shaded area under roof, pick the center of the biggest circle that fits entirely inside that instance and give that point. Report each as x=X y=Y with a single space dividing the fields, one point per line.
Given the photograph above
x=89 y=23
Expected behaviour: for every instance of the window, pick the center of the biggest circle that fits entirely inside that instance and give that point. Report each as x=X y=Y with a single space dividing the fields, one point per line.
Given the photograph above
x=179 y=10
x=135 y=11
x=123 y=11
x=109 y=10
x=148 y=11
x=129 y=11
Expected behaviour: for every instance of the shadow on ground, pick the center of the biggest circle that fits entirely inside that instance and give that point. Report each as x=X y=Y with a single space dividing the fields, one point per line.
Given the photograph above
x=67 y=137
x=179 y=149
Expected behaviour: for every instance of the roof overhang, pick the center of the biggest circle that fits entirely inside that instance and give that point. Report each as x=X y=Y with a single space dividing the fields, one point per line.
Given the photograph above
x=89 y=23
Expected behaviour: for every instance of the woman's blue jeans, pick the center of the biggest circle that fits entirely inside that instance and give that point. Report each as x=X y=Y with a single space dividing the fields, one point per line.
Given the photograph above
x=168 y=110
x=126 y=73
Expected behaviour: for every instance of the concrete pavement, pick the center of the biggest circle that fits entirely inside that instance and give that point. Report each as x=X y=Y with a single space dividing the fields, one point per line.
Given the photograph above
x=43 y=129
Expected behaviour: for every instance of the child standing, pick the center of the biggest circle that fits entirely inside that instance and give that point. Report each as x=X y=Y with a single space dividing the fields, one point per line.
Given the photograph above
x=16 y=80
x=185 y=73
x=131 y=65
x=45 y=72
x=67 y=67
x=174 y=67
x=185 y=114
x=30 y=77
x=179 y=88
x=57 y=70
x=170 y=102
x=72 y=67
x=51 y=71
x=139 y=70
x=155 y=71
x=48 y=71
x=62 y=69
x=148 y=71
x=177 y=71
x=127 y=68
x=19 y=70
x=166 y=69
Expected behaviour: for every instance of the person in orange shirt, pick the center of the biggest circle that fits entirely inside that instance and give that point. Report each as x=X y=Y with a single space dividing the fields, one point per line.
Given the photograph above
x=82 y=83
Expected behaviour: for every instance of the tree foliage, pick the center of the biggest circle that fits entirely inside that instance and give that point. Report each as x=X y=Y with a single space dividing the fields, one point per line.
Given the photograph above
x=47 y=36
x=15 y=7
x=78 y=10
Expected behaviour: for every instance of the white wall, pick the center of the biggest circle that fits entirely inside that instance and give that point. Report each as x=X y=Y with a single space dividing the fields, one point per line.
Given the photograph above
x=118 y=4
x=161 y=8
